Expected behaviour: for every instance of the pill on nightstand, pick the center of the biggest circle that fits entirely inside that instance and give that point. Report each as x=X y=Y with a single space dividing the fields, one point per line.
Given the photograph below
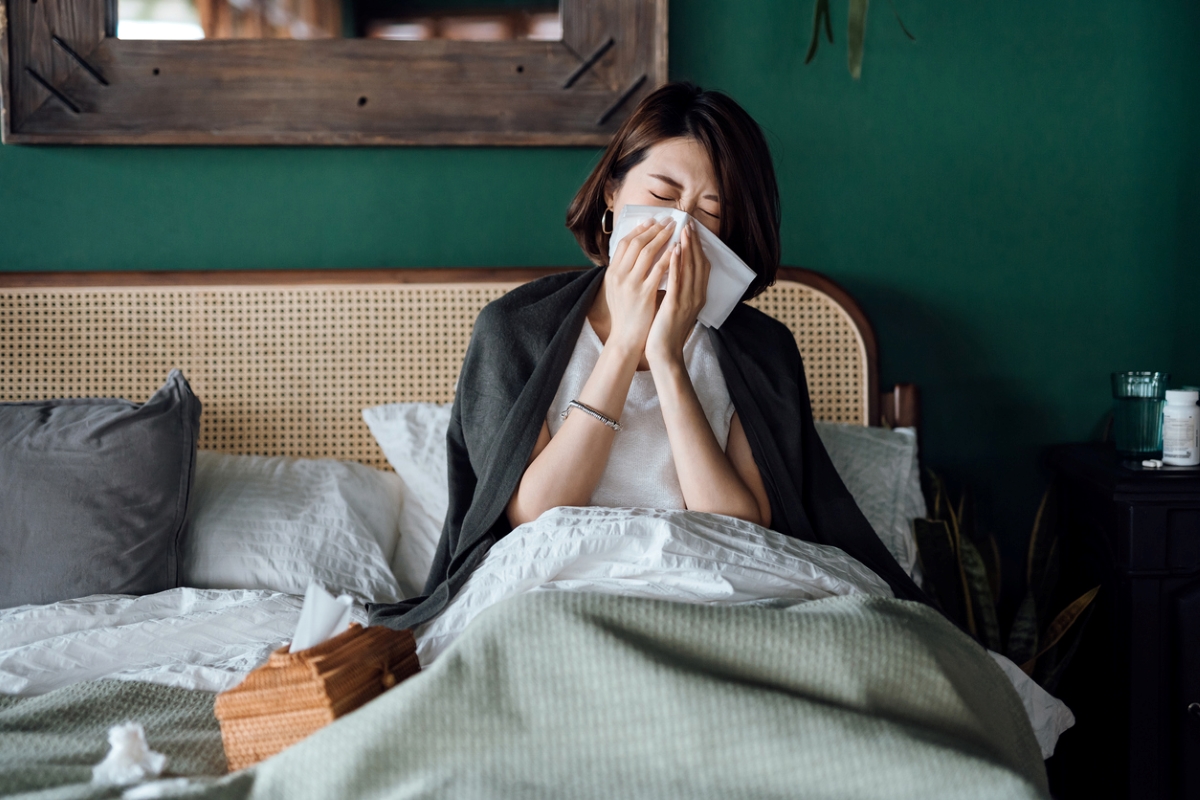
x=1152 y=463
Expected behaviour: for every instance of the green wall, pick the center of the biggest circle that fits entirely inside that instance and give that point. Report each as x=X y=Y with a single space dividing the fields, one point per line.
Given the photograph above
x=1014 y=197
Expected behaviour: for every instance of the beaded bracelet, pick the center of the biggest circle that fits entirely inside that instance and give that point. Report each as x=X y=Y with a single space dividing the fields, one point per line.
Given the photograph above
x=612 y=423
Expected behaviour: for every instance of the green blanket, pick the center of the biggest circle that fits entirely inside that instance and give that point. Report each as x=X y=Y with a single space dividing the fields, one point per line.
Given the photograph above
x=48 y=744
x=562 y=695
x=587 y=696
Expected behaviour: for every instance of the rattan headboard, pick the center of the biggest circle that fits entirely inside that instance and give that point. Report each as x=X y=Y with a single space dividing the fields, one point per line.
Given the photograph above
x=285 y=361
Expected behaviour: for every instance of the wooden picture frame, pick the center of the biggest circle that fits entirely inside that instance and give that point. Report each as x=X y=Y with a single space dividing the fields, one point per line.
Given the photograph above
x=66 y=79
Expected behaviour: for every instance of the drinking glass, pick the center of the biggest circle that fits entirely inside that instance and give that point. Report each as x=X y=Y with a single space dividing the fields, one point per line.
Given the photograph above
x=1137 y=413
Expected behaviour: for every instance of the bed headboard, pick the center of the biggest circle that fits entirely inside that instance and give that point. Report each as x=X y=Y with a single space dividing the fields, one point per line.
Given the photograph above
x=284 y=361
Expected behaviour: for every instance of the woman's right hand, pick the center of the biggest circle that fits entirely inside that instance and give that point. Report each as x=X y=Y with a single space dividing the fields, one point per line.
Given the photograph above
x=631 y=284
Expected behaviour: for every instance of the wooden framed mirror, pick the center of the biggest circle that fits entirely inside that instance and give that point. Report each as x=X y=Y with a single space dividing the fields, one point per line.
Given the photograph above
x=68 y=79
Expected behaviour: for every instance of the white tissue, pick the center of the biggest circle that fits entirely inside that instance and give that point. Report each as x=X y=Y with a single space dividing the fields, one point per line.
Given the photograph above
x=156 y=790
x=321 y=618
x=729 y=276
x=130 y=760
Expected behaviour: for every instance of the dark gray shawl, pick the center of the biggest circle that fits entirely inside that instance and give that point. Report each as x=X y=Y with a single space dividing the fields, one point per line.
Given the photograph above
x=519 y=351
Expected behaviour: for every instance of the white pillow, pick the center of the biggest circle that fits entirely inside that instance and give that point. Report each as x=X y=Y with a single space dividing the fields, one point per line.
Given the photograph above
x=277 y=523
x=413 y=439
x=880 y=468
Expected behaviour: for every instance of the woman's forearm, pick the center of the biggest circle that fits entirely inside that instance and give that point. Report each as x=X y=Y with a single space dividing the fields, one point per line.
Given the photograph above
x=566 y=469
x=706 y=475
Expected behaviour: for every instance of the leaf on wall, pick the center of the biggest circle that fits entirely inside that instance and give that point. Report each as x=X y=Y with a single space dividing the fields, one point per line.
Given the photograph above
x=855 y=36
x=820 y=15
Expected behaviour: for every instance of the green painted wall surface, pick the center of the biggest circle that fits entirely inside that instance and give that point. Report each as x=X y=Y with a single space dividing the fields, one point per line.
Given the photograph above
x=1014 y=197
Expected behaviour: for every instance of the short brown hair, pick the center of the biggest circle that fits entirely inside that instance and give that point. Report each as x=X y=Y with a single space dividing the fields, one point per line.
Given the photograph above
x=740 y=157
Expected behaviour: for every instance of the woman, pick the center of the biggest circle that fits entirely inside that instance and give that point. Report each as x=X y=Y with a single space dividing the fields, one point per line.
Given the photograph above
x=597 y=388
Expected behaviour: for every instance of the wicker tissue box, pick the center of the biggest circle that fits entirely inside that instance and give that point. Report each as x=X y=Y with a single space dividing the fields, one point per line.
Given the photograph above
x=295 y=694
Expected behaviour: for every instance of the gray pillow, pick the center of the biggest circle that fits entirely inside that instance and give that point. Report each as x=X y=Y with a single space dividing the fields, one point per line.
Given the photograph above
x=94 y=494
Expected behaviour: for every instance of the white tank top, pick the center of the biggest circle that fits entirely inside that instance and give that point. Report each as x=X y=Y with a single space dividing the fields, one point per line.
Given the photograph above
x=641 y=471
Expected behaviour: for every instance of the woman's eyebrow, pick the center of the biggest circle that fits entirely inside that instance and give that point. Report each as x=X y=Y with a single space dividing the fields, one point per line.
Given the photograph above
x=672 y=182
x=667 y=180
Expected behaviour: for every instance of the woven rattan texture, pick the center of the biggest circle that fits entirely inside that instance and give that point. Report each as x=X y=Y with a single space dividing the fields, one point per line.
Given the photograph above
x=286 y=370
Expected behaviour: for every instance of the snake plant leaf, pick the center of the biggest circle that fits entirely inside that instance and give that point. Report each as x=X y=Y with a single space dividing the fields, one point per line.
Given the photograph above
x=985 y=544
x=1042 y=562
x=968 y=601
x=983 y=603
x=939 y=562
x=1061 y=624
x=1023 y=637
x=820 y=15
x=1065 y=652
x=1041 y=538
x=855 y=35
x=996 y=573
x=938 y=504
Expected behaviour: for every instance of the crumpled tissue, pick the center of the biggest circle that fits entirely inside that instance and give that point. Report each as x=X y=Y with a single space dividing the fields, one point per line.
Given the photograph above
x=130 y=760
x=157 y=790
x=728 y=277
x=321 y=618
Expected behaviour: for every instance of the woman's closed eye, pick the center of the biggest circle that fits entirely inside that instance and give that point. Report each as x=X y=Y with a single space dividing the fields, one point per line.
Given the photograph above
x=672 y=200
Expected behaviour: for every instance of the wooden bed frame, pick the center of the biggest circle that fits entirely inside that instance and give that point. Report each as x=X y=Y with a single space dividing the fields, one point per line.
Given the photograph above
x=284 y=361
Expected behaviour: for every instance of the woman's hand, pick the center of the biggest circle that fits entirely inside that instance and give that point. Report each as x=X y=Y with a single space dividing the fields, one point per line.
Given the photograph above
x=631 y=284
x=687 y=290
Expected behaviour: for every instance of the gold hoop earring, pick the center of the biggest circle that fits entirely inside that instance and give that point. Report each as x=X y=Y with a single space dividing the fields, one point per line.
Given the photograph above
x=606 y=221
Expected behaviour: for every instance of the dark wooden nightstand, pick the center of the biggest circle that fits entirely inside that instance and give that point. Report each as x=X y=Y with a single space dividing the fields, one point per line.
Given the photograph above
x=1134 y=684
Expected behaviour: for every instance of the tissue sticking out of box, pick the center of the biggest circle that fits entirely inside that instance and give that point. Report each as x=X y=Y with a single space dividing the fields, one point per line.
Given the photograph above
x=321 y=618
x=130 y=760
x=728 y=276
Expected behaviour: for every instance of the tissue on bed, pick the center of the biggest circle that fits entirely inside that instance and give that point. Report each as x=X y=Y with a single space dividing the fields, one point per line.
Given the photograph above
x=729 y=276
x=321 y=618
x=130 y=760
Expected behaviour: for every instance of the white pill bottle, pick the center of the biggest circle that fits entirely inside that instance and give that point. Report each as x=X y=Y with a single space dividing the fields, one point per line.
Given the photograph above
x=1181 y=433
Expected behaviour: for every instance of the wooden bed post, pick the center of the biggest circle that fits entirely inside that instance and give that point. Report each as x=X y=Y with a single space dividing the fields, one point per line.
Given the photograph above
x=900 y=406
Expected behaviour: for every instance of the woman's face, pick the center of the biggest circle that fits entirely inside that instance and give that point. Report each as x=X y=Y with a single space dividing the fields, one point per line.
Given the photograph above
x=676 y=173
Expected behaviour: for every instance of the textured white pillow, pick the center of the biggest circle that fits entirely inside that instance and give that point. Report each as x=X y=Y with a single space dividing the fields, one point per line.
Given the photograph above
x=278 y=523
x=413 y=439
x=879 y=467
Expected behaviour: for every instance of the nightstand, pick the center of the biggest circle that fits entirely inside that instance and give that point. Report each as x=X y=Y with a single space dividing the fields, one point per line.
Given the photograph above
x=1134 y=683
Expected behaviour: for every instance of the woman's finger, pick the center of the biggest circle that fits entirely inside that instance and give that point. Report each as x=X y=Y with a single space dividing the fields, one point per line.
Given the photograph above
x=668 y=264
x=646 y=260
x=636 y=242
x=687 y=258
x=699 y=265
x=625 y=243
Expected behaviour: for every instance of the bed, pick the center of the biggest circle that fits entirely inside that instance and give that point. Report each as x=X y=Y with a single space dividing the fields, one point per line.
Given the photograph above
x=312 y=385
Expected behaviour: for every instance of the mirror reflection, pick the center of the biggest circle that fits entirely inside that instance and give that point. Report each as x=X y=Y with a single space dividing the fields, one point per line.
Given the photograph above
x=400 y=20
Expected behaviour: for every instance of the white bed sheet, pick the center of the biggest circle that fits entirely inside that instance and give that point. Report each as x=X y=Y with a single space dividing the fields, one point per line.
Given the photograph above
x=191 y=638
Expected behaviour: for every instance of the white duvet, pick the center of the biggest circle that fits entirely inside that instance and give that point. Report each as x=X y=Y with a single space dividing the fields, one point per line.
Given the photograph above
x=209 y=639
x=638 y=552
x=192 y=638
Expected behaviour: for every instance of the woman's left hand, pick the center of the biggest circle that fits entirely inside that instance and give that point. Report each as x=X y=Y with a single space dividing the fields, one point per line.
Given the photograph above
x=687 y=291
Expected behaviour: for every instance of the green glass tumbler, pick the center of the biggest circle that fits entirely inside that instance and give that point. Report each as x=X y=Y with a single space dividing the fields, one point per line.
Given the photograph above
x=1137 y=413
